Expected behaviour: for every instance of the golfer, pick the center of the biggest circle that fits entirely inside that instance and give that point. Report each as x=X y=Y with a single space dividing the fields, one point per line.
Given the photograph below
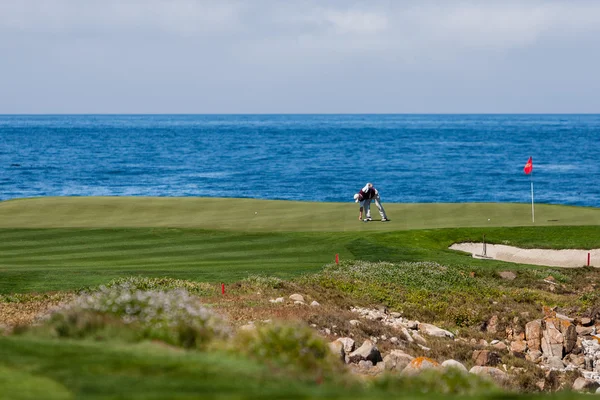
x=364 y=197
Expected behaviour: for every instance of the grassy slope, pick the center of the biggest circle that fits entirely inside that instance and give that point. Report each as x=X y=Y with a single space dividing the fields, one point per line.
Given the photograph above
x=65 y=243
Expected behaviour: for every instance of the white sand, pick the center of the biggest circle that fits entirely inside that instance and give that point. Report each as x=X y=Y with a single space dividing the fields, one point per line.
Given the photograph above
x=551 y=258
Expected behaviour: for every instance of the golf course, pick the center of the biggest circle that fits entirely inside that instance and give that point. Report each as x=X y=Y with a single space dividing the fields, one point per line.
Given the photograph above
x=57 y=247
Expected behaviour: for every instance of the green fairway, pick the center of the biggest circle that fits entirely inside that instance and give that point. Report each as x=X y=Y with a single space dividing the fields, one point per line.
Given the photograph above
x=252 y=215
x=67 y=243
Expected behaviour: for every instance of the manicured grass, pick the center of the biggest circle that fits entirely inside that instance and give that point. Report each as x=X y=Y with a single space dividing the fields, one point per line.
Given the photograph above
x=250 y=215
x=64 y=243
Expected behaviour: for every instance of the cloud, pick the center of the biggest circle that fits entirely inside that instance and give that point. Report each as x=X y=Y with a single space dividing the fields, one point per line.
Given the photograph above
x=180 y=17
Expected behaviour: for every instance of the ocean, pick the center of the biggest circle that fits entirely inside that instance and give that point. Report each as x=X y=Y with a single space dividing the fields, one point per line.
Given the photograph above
x=409 y=158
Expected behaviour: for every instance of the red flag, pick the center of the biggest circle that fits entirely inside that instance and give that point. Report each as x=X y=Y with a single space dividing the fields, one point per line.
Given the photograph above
x=529 y=166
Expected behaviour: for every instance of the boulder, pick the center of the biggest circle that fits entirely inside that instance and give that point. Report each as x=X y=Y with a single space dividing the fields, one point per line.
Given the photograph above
x=397 y=360
x=368 y=351
x=337 y=348
x=419 y=364
x=485 y=358
x=297 y=297
x=454 y=364
x=432 y=330
x=554 y=363
x=585 y=330
x=495 y=374
x=585 y=321
x=569 y=333
x=582 y=384
x=315 y=303
x=500 y=346
x=552 y=338
x=533 y=334
x=534 y=356
x=518 y=347
x=348 y=344
x=407 y=335
x=418 y=338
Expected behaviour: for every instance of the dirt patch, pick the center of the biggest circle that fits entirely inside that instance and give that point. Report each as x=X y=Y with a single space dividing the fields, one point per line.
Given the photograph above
x=550 y=258
x=26 y=312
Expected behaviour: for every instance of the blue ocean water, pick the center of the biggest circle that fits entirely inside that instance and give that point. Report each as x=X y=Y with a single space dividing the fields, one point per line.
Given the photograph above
x=409 y=158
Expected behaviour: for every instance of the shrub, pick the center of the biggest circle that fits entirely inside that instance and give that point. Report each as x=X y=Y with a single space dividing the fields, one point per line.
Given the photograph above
x=264 y=282
x=175 y=316
x=164 y=284
x=293 y=346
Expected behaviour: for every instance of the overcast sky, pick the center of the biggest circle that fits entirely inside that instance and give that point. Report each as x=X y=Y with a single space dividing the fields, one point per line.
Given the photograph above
x=312 y=56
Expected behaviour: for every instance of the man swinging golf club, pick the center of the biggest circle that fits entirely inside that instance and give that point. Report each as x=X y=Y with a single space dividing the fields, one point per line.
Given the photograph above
x=364 y=197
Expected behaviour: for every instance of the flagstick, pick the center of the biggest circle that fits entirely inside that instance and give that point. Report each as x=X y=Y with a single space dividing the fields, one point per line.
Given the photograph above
x=532 y=209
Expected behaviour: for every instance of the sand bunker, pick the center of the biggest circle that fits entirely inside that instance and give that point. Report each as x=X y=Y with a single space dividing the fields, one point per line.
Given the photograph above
x=551 y=258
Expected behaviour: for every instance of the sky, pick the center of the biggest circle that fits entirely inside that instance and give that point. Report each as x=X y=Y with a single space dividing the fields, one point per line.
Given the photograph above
x=299 y=56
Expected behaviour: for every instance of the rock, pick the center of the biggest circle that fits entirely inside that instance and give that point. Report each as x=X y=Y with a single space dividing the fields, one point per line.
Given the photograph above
x=337 y=348
x=418 y=338
x=500 y=346
x=297 y=297
x=552 y=338
x=407 y=335
x=533 y=334
x=508 y=275
x=394 y=340
x=534 y=355
x=518 y=347
x=365 y=364
x=414 y=325
x=582 y=384
x=495 y=374
x=347 y=343
x=585 y=330
x=564 y=317
x=277 y=300
x=395 y=314
x=300 y=303
x=493 y=342
x=577 y=360
x=419 y=364
x=397 y=360
x=248 y=327
x=554 y=363
x=368 y=351
x=315 y=303
x=585 y=321
x=454 y=364
x=354 y=322
x=492 y=324
x=485 y=358
x=569 y=333
x=432 y=330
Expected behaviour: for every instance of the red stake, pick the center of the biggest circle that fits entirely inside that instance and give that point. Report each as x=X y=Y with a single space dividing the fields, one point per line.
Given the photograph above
x=222 y=288
x=337 y=258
